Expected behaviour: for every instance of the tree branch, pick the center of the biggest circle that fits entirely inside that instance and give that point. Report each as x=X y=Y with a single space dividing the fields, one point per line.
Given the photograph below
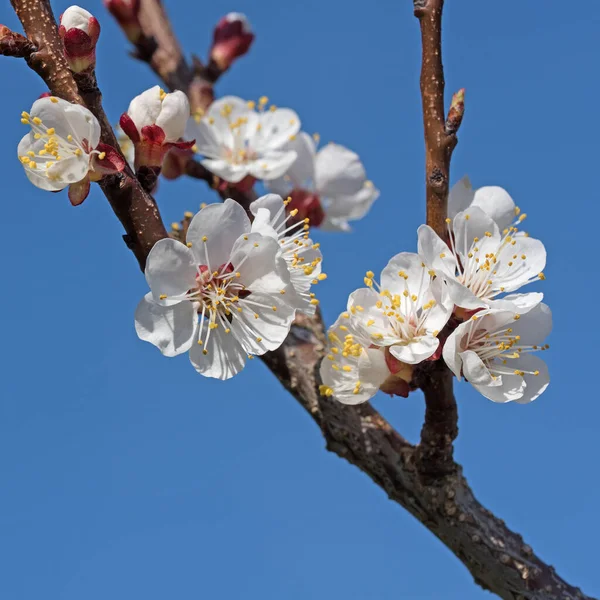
x=497 y=557
x=441 y=416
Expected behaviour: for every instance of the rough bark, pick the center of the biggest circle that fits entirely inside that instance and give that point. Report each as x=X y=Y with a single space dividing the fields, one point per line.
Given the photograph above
x=422 y=479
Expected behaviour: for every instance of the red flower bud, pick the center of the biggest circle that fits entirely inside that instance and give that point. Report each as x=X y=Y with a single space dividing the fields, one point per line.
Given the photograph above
x=126 y=12
x=79 y=31
x=308 y=206
x=232 y=38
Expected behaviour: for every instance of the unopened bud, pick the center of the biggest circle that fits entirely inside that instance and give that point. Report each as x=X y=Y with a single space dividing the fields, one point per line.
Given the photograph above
x=79 y=31
x=232 y=38
x=456 y=112
x=155 y=122
x=126 y=12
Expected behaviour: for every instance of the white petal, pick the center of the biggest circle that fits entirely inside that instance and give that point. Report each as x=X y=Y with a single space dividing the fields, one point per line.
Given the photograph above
x=272 y=164
x=277 y=127
x=353 y=207
x=302 y=172
x=170 y=328
x=38 y=175
x=145 y=108
x=435 y=252
x=224 y=170
x=416 y=350
x=224 y=358
x=338 y=171
x=76 y=17
x=474 y=223
x=497 y=203
x=474 y=370
x=262 y=223
x=512 y=277
x=259 y=263
x=222 y=225
x=274 y=204
x=412 y=266
x=268 y=330
x=170 y=270
x=519 y=303
x=68 y=119
x=174 y=115
x=462 y=296
x=451 y=351
x=208 y=138
x=534 y=384
x=460 y=197
x=534 y=326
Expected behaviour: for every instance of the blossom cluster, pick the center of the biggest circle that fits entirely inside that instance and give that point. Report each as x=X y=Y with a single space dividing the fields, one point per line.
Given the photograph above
x=453 y=300
x=232 y=290
x=242 y=142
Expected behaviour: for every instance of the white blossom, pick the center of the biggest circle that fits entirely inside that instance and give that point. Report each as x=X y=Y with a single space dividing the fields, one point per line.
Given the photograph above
x=405 y=313
x=236 y=140
x=329 y=186
x=481 y=263
x=222 y=296
x=302 y=256
x=493 y=351
x=63 y=148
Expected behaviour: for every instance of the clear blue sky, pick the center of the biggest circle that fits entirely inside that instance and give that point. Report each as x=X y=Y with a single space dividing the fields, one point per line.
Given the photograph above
x=127 y=475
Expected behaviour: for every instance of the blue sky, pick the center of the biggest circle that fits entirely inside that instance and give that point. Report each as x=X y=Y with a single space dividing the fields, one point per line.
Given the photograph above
x=127 y=475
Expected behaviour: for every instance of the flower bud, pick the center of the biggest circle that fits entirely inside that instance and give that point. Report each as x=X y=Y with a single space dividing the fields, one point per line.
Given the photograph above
x=232 y=38
x=79 y=31
x=126 y=13
x=155 y=122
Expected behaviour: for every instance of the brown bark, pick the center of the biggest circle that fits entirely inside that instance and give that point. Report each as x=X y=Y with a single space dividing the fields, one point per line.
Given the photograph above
x=423 y=479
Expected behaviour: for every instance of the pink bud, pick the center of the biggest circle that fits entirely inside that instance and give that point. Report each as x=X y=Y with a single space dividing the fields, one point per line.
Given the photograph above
x=232 y=38
x=126 y=12
x=79 y=31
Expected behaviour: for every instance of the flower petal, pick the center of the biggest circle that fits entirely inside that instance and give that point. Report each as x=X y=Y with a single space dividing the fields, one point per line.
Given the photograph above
x=496 y=203
x=534 y=384
x=353 y=207
x=170 y=270
x=435 y=252
x=302 y=171
x=276 y=129
x=221 y=225
x=474 y=223
x=259 y=263
x=415 y=275
x=225 y=170
x=460 y=197
x=338 y=171
x=451 y=352
x=170 y=328
x=416 y=350
x=272 y=164
x=258 y=328
x=145 y=108
x=274 y=204
x=174 y=114
x=224 y=358
x=474 y=369
x=67 y=119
